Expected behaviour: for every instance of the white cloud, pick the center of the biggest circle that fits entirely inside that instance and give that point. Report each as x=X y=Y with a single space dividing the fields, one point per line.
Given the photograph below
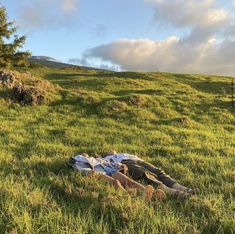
x=208 y=46
x=69 y=5
x=97 y=64
x=46 y=13
x=189 y=13
x=172 y=55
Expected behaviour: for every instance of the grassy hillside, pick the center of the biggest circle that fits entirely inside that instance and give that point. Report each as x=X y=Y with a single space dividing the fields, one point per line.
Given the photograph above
x=182 y=123
x=52 y=63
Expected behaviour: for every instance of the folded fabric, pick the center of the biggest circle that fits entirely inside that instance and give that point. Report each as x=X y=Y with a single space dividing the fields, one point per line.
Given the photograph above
x=88 y=164
x=118 y=158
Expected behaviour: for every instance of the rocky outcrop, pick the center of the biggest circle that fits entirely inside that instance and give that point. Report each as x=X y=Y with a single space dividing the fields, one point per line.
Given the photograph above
x=28 y=94
x=7 y=79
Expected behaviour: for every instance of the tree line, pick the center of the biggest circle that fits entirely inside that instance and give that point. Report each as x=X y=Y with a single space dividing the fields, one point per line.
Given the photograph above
x=10 y=43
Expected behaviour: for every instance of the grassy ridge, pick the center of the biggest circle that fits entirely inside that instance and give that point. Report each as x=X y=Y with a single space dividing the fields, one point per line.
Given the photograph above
x=183 y=123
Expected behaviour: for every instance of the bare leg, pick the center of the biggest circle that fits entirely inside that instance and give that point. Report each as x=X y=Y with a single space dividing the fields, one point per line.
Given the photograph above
x=126 y=181
x=119 y=181
x=184 y=189
x=179 y=187
x=167 y=189
x=177 y=193
x=112 y=181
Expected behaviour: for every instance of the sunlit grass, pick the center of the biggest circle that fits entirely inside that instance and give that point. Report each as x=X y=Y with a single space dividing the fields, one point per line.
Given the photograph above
x=183 y=123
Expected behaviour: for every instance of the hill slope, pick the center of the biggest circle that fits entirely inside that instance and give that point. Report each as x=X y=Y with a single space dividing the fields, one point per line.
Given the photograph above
x=182 y=123
x=53 y=63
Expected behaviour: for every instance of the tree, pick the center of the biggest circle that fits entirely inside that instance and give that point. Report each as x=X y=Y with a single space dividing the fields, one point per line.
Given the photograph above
x=10 y=42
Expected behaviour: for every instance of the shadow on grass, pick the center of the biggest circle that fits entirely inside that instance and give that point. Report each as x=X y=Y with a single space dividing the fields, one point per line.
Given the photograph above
x=213 y=87
x=89 y=106
x=132 y=91
x=216 y=104
x=67 y=188
x=71 y=80
x=209 y=84
x=75 y=81
x=5 y=94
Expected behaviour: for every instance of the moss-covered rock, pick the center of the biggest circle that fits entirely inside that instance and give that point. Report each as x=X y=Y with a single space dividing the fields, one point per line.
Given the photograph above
x=28 y=94
x=7 y=78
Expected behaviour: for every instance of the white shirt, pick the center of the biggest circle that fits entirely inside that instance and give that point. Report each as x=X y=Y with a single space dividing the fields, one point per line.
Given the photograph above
x=118 y=158
x=88 y=164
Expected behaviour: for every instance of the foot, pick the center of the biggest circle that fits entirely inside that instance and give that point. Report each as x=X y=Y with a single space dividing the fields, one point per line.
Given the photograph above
x=159 y=195
x=191 y=191
x=167 y=189
x=117 y=185
x=148 y=192
x=182 y=195
x=185 y=189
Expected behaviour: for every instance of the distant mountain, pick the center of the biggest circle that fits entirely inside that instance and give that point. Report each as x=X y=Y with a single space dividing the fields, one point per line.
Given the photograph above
x=48 y=62
x=44 y=58
x=54 y=63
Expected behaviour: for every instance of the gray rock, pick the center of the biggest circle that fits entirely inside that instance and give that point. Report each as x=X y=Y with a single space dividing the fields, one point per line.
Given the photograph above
x=7 y=78
x=28 y=94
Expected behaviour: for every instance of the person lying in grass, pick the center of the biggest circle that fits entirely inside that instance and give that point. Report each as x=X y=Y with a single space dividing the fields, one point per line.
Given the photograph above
x=111 y=172
x=138 y=169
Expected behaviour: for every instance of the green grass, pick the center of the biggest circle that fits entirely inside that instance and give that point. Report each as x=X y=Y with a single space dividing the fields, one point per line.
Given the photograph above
x=183 y=123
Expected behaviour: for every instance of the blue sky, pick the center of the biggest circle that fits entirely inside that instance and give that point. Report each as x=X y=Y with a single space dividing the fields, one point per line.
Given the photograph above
x=91 y=25
x=195 y=36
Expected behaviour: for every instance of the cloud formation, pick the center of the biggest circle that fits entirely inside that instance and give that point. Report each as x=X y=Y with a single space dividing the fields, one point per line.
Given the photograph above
x=207 y=46
x=172 y=55
x=88 y=63
x=47 y=13
x=189 y=13
x=69 y=5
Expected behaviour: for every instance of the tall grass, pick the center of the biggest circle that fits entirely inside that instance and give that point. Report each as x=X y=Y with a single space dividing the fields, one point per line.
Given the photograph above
x=182 y=123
